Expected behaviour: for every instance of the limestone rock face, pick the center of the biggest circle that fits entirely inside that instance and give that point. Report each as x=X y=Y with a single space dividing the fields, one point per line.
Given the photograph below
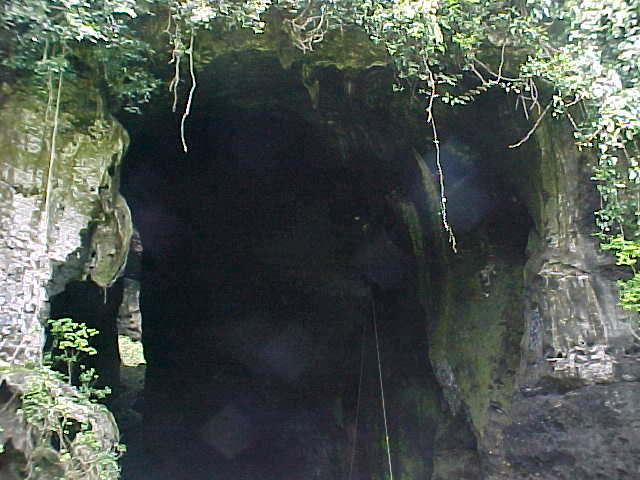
x=61 y=216
x=129 y=320
x=129 y=316
x=575 y=328
x=573 y=415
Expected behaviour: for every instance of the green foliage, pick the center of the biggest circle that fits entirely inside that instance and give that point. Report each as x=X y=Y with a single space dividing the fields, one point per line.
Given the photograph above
x=69 y=440
x=595 y=63
x=81 y=39
x=627 y=253
x=70 y=346
x=68 y=436
x=195 y=14
x=71 y=340
x=630 y=293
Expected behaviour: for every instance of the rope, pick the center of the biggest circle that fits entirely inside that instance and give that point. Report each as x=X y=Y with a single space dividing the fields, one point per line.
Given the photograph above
x=355 y=435
x=384 y=409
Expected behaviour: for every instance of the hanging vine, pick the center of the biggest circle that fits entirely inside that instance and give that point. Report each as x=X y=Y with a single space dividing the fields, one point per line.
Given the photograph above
x=185 y=19
x=308 y=27
x=52 y=147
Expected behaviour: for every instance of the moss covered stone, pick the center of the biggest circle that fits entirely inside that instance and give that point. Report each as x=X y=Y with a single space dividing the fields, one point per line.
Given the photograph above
x=469 y=337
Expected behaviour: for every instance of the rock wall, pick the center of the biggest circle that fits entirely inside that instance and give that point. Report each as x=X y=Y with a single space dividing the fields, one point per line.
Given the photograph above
x=575 y=328
x=533 y=351
x=573 y=414
x=129 y=321
x=589 y=433
x=81 y=229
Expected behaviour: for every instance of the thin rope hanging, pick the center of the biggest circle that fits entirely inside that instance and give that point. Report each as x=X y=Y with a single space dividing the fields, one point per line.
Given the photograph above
x=355 y=435
x=384 y=409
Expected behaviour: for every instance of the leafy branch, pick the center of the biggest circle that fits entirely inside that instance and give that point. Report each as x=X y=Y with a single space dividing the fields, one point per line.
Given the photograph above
x=64 y=433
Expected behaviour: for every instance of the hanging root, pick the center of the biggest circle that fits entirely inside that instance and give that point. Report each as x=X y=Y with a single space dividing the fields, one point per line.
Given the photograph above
x=533 y=129
x=306 y=29
x=176 y=60
x=52 y=157
x=436 y=142
x=178 y=51
x=45 y=57
x=187 y=109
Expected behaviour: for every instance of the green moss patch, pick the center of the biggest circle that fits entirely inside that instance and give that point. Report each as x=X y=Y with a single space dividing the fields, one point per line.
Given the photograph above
x=479 y=316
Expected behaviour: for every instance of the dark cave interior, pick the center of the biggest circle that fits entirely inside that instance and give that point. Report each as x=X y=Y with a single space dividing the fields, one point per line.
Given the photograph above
x=269 y=248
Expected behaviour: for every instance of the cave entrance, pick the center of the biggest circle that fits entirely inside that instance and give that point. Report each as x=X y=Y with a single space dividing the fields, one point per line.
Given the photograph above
x=270 y=246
